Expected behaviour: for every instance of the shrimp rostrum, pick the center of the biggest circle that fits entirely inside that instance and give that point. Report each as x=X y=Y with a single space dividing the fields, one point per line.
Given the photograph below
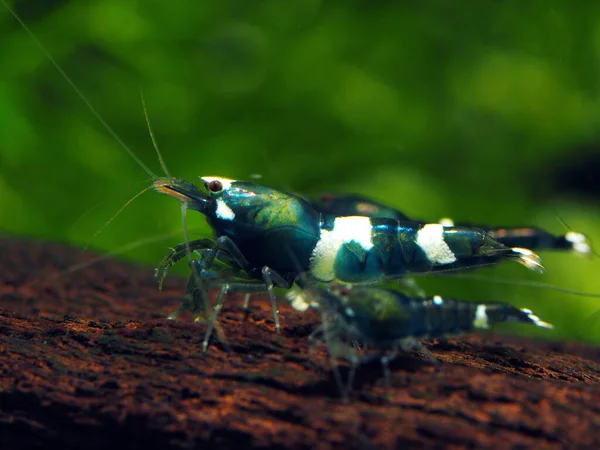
x=274 y=236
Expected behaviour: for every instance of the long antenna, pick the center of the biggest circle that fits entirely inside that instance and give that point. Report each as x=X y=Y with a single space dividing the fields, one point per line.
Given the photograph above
x=154 y=143
x=79 y=93
x=121 y=209
x=515 y=282
x=128 y=247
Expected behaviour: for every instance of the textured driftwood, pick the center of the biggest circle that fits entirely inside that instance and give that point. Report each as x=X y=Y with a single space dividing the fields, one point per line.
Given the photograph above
x=87 y=362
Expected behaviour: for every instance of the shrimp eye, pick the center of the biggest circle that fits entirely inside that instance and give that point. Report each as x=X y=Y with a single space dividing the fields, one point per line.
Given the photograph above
x=214 y=186
x=344 y=291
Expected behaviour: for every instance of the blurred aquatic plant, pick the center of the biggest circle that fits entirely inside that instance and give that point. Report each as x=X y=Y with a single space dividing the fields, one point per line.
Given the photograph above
x=439 y=109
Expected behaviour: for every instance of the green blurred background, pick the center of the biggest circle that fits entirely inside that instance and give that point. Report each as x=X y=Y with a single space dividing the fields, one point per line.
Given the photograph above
x=484 y=111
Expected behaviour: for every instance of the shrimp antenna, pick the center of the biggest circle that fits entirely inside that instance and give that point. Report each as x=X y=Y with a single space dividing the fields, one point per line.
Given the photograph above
x=121 y=209
x=128 y=247
x=197 y=278
x=524 y=283
x=587 y=240
x=186 y=236
x=103 y=202
x=154 y=143
x=79 y=93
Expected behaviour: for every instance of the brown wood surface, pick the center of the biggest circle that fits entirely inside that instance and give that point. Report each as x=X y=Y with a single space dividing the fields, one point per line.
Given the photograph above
x=86 y=361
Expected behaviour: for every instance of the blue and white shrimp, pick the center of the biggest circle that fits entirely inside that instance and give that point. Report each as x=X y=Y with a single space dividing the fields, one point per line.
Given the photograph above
x=533 y=238
x=390 y=321
x=274 y=237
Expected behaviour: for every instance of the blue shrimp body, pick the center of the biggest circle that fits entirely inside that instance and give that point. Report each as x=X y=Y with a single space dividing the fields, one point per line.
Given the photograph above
x=367 y=250
x=380 y=318
x=283 y=232
x=533 y=238
x=264 y=223
x=276 y=238
x=387 y=321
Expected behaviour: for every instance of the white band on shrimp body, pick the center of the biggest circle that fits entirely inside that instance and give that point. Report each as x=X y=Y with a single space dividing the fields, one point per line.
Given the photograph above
x=579 y=241
x=431 y=240
x=481 y=317
x=299 y=300
x=345 y=229
x=223 y=211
